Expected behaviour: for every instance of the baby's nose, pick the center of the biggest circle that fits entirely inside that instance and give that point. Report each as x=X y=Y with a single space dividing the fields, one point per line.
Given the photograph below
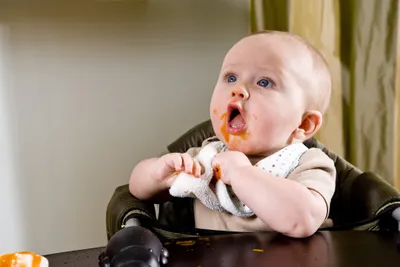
x=240 y=93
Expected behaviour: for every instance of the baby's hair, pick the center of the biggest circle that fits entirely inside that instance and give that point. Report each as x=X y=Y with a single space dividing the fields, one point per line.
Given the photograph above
x=320 y=68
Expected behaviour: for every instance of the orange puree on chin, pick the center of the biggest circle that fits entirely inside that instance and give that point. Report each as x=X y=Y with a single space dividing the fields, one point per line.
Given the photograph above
x=22 y=259
x=227 y=137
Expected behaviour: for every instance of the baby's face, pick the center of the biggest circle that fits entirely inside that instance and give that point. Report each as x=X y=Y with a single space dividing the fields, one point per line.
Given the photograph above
x=258 y=101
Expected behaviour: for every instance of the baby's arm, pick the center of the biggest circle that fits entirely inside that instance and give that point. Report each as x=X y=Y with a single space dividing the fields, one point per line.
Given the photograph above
x=142 y=182
x=284 y=205
x=294 y=206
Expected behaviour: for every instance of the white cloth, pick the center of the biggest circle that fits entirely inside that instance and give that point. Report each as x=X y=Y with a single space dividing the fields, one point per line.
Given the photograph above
x=220 y=196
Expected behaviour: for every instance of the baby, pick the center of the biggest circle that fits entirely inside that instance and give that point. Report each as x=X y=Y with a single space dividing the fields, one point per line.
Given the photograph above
x=270 y=97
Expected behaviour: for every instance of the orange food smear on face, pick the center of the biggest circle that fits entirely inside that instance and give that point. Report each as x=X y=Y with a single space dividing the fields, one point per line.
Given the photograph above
x=13 y=259
x=224 y=132
x=233 y=142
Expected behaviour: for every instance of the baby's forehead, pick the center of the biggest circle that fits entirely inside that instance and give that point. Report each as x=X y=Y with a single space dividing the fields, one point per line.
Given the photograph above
x=263 y=47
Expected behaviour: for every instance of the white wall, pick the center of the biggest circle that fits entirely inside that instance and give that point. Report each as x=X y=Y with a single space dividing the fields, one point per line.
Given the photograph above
x=87 y=89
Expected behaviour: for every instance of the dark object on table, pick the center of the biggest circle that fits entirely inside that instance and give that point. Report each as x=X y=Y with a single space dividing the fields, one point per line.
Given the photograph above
x=133 y=246
x=362 y=200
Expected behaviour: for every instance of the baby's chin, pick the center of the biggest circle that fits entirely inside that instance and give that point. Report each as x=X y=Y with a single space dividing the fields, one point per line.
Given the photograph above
x=247 y=148
x=238 y=145
x=26 y=259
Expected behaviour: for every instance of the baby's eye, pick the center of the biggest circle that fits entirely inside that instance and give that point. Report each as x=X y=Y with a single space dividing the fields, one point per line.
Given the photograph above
x=264 y=83
x=231 y=79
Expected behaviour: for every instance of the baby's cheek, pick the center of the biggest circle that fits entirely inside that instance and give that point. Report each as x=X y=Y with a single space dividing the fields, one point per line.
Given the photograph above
x=276 y=130
x=214 y=112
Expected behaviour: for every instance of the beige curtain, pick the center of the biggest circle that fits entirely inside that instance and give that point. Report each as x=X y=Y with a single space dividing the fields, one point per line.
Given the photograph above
x=360 y=40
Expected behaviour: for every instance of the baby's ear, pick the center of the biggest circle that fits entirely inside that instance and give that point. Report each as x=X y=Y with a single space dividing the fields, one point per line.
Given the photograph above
x=311 y=123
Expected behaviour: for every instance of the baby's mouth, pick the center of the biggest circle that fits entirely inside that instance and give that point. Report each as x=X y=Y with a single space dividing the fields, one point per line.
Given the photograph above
x=236 y=123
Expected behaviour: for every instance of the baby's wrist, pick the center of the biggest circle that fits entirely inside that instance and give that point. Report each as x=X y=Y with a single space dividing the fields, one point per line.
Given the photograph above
x=158 y=168
x=239 y=173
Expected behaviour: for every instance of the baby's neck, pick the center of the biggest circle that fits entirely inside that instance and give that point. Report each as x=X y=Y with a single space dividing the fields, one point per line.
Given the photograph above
x=254 y=159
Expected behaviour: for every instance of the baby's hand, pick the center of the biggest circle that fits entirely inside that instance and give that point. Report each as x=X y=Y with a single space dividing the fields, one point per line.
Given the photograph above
x=225 y=163
x=168 y=165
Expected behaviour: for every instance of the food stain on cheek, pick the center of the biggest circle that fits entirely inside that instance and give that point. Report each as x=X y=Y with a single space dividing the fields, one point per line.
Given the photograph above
x=237 y=140
x=223 y=129
x=254 y=116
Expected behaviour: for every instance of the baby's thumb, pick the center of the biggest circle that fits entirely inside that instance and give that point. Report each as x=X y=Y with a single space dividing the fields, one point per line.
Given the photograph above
x=171 y=180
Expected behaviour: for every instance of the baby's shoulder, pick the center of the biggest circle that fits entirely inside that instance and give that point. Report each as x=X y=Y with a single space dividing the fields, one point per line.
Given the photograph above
x=315 y=154
x=315 y=158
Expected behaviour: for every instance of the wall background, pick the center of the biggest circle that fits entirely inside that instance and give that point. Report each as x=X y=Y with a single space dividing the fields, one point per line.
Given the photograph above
x=87 y=89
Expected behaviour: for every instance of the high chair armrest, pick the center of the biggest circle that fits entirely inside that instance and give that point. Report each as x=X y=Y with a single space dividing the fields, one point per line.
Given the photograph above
x=365 y=202
x=369 y=195
x=123 y=206
x=396 y=215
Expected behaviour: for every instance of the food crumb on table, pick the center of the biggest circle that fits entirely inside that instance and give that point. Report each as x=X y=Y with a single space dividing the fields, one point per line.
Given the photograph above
x=186 y=243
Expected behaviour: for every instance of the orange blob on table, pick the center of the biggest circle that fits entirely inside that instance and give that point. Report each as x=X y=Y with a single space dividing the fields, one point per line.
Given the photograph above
x=23 y=259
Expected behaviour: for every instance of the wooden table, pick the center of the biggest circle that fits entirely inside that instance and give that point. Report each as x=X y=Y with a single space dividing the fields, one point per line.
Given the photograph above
x=333 y=249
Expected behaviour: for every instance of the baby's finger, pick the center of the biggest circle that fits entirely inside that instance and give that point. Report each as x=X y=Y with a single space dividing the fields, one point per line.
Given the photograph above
x=170 y=181
x=187 y=163
x=216 y=168
x=217 y=172
x=214 y=161
x=196 y=168
x=177 y=159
